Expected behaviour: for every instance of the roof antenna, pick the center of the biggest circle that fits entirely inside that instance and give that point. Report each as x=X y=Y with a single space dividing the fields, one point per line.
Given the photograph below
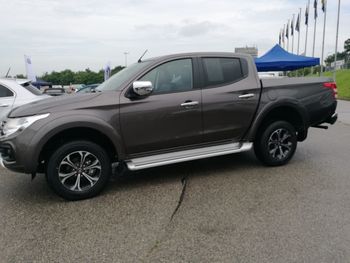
x=8 y=72
x=144 y=53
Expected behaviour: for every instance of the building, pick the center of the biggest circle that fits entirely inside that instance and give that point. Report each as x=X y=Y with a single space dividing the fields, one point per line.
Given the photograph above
x=253 y=51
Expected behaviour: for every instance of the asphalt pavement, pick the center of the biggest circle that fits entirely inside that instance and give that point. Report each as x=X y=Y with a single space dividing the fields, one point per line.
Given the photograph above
x=225 y=209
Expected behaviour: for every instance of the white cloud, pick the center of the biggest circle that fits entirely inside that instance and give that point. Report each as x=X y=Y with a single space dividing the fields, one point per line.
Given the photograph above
x=77 y=34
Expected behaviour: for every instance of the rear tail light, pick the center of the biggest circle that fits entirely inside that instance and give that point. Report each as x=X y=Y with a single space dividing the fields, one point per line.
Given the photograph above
x=333 y=87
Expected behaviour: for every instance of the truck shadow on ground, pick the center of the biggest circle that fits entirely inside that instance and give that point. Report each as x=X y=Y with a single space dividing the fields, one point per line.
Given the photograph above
x=176 y=172
x=22 y=188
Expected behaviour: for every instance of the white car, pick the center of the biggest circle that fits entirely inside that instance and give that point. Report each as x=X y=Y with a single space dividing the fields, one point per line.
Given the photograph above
x=17 y=92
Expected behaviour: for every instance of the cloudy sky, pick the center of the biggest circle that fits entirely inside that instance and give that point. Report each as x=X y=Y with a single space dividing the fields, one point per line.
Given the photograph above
x=79 y=34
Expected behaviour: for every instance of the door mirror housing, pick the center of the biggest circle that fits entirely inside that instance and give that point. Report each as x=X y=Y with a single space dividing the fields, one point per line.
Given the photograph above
x=142 y=88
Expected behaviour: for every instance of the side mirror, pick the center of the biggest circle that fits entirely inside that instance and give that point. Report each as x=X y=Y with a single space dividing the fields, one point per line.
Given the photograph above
x=142 y=88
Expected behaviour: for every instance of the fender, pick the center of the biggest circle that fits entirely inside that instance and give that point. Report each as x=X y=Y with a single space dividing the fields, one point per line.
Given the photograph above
x=265 y=109
x=60 y=124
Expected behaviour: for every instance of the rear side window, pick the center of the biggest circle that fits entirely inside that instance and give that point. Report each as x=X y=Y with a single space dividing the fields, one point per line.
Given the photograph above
x=5 y=92
x=244 y=64
x=221 y=71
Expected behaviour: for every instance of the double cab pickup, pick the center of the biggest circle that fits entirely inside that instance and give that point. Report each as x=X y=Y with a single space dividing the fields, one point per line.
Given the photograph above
x=163 y=111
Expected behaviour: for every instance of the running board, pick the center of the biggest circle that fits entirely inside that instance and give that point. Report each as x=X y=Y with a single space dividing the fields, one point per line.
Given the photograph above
x=187 y=155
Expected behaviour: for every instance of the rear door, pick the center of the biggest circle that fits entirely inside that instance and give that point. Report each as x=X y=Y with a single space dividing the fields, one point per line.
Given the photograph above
x=7 y=99
x=230 y=98
x=170 y=117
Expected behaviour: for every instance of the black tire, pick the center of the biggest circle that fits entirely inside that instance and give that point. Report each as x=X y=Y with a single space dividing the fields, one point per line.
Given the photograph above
x=70 y=159
x=271 y=146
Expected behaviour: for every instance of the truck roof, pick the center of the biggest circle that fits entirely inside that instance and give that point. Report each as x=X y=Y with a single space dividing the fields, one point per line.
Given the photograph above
x=198 y=54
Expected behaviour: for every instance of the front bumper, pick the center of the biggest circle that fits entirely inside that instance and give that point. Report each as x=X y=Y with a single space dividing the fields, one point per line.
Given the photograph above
x=8 y=158
x=16 y=152
x=2 y=162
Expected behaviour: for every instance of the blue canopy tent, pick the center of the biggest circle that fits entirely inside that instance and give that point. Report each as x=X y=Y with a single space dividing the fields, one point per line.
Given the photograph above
x=278 y=59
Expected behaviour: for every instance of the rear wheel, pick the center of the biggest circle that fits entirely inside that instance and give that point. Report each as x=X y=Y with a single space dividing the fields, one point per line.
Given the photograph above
x=276 y=144
x=78 y=170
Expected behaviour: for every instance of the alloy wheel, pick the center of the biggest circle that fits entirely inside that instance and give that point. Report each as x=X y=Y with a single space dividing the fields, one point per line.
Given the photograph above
x=280 y=144
x=79 y=171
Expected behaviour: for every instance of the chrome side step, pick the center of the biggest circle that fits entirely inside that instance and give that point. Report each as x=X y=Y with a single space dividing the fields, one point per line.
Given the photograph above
x=187 y=155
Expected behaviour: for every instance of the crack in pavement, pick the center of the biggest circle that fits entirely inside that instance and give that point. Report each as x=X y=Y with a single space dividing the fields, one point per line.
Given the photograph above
x=165 y=231
x=184 y=184
x=183 y=191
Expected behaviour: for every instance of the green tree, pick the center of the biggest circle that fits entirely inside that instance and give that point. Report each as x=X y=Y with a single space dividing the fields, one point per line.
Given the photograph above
x=347 y=45
x=340 y=55
x=330 y=58
x=20 y=76
x=66 y=77
x=347 y=49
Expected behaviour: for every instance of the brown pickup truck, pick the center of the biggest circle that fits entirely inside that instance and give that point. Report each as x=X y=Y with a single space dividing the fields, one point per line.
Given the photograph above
x=162 y=111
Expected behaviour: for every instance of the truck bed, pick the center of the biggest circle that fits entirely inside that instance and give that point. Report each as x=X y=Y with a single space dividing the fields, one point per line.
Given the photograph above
x=293 y=81
x=310 y=93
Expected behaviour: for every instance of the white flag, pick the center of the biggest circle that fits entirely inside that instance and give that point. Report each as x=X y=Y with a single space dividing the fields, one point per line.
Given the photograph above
x=107 y=70
x=29 y=68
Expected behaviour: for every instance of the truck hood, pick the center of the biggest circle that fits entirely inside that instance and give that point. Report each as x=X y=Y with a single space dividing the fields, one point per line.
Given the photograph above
x=66 y=103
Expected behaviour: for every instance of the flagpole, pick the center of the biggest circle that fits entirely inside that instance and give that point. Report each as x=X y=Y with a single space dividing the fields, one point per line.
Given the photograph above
x=313 y=46
x=336 y=42
x=299 y=30
x=324 y=33
x=292 y=30
x=283 y=36
x=281 y=42
x=315 y=24
x=288 y=35
x=307 y=27
x=279 y=39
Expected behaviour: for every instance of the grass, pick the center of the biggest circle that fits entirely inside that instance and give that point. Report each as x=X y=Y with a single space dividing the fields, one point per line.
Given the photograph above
x=343 y=83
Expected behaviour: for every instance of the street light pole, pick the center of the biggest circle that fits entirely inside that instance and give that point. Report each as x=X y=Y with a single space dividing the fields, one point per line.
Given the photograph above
x=336 y=43
x=324 y=34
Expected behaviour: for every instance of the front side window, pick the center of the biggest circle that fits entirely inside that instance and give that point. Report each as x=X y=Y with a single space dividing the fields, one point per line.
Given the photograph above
x=174 y=76
x=5 y=92
x=221 y=71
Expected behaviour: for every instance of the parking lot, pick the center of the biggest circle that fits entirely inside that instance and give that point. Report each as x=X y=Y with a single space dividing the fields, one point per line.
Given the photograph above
x=227 y=209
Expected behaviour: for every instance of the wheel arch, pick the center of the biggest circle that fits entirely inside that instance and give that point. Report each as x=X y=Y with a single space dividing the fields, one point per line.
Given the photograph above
x=287 y=110
x=98 y=131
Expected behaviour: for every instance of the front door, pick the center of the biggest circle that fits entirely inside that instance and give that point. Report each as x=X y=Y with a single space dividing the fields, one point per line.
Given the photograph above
x=170 y=117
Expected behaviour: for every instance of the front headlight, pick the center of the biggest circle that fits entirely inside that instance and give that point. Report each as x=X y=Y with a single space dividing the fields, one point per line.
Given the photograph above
x=12 y=125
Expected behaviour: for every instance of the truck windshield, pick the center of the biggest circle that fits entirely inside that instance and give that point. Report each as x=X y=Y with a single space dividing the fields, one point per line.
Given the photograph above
x=116 y=81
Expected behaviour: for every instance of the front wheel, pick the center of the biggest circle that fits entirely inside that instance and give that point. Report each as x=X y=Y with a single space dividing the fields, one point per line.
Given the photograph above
x=78 y=170
x=276 y=144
